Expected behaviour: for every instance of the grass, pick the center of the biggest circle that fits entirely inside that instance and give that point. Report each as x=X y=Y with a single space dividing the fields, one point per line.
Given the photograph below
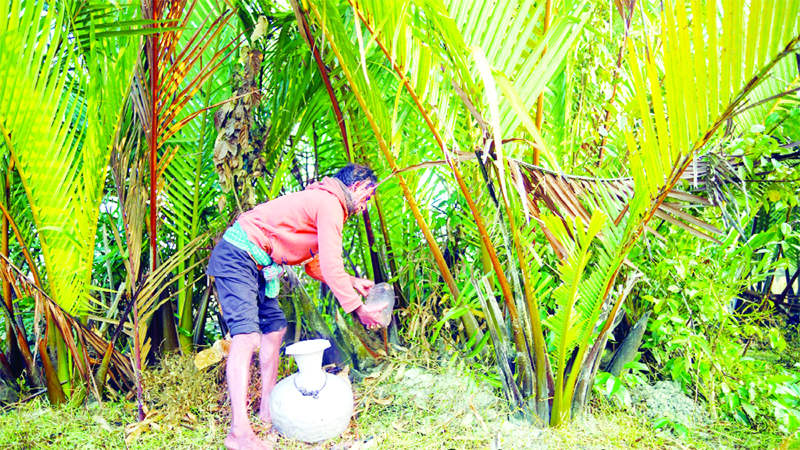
x=405 y=424
x=37 y=426
x=185 y=415
x=429 y=411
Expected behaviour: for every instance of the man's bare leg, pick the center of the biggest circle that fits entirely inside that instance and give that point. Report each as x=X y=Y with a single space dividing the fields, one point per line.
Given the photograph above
x=269 y=357
x=241 y=435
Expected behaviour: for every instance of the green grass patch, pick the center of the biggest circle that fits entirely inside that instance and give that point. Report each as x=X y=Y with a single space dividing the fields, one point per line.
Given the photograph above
x=398 y=407
x=38 y=426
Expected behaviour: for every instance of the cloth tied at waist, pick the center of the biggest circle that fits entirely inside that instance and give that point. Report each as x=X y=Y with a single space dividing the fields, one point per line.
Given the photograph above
x=237 y=237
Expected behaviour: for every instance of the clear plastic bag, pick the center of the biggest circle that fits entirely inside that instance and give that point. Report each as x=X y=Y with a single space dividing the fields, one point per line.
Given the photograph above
x=382 y=293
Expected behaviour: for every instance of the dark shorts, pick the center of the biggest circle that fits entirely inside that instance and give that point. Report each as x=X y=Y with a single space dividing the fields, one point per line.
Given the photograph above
x=240 y=287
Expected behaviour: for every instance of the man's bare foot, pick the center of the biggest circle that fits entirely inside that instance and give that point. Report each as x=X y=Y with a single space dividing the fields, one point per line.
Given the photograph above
x=246 y=440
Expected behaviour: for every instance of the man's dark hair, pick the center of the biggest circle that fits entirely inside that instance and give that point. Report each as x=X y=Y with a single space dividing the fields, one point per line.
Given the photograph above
x=353 y=173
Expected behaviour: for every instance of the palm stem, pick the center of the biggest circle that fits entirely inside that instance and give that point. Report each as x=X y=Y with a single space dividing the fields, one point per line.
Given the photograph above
x=538 y=347
x=152 y=137
x=412 y=203
x=8 y=217
x=13 y=352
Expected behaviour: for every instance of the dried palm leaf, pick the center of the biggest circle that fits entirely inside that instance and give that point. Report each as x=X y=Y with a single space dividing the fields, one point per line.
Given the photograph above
x=569 y=196
x=79 y=339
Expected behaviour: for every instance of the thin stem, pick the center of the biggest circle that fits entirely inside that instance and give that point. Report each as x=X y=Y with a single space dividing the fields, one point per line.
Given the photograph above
x=11 y=222
x=614 y=87
x=377 y=270
x=323 y=72
x=152 y=138
x=6 y=230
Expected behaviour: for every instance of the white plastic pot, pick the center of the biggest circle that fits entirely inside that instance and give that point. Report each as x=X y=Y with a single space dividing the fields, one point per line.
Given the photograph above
x=311 y=405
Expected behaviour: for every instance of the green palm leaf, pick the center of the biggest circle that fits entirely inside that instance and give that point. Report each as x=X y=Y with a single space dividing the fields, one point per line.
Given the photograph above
x=62 y=100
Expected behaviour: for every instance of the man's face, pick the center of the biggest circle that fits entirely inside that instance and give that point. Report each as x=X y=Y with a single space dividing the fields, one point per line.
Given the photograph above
x=361 y=192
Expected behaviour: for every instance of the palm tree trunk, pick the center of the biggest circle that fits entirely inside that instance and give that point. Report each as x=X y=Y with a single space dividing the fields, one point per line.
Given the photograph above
x=198 y=336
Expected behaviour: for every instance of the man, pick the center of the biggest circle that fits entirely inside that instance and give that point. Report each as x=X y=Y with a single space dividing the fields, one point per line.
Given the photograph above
x=300 y=228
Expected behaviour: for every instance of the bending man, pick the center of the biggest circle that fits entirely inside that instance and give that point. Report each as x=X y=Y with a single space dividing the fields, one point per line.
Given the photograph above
x=300 y=228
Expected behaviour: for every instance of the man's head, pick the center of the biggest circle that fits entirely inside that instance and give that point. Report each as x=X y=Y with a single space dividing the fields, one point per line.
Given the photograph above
x=360 y=181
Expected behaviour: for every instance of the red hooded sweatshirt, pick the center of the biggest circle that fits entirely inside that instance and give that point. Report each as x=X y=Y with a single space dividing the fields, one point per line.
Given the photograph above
x=306 y=228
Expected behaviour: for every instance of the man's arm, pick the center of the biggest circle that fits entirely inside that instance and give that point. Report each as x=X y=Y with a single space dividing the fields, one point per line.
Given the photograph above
x=330 y=219
x=361 y=285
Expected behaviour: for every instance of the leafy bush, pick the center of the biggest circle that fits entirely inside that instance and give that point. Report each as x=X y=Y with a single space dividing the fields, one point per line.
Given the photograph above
x=728 y=358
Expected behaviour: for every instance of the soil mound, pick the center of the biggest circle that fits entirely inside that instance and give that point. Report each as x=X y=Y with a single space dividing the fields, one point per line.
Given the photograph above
x=666 y=399
x=451 y=395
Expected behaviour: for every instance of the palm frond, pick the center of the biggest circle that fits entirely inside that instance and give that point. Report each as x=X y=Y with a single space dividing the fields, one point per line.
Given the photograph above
x=75 y=84
x=39 y=117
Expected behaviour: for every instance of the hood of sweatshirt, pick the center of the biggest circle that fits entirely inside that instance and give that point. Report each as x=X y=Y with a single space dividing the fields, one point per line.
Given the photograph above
x=338 y=189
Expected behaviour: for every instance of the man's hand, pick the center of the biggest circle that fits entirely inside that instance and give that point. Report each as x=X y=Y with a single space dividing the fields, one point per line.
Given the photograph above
x=362 y=285
x=370 y=315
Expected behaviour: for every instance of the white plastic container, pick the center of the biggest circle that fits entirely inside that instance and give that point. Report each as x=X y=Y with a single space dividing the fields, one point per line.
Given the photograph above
x=311 y=405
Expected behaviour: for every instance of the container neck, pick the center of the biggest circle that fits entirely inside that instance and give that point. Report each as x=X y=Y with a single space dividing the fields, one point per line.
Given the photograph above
x=309 y=362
